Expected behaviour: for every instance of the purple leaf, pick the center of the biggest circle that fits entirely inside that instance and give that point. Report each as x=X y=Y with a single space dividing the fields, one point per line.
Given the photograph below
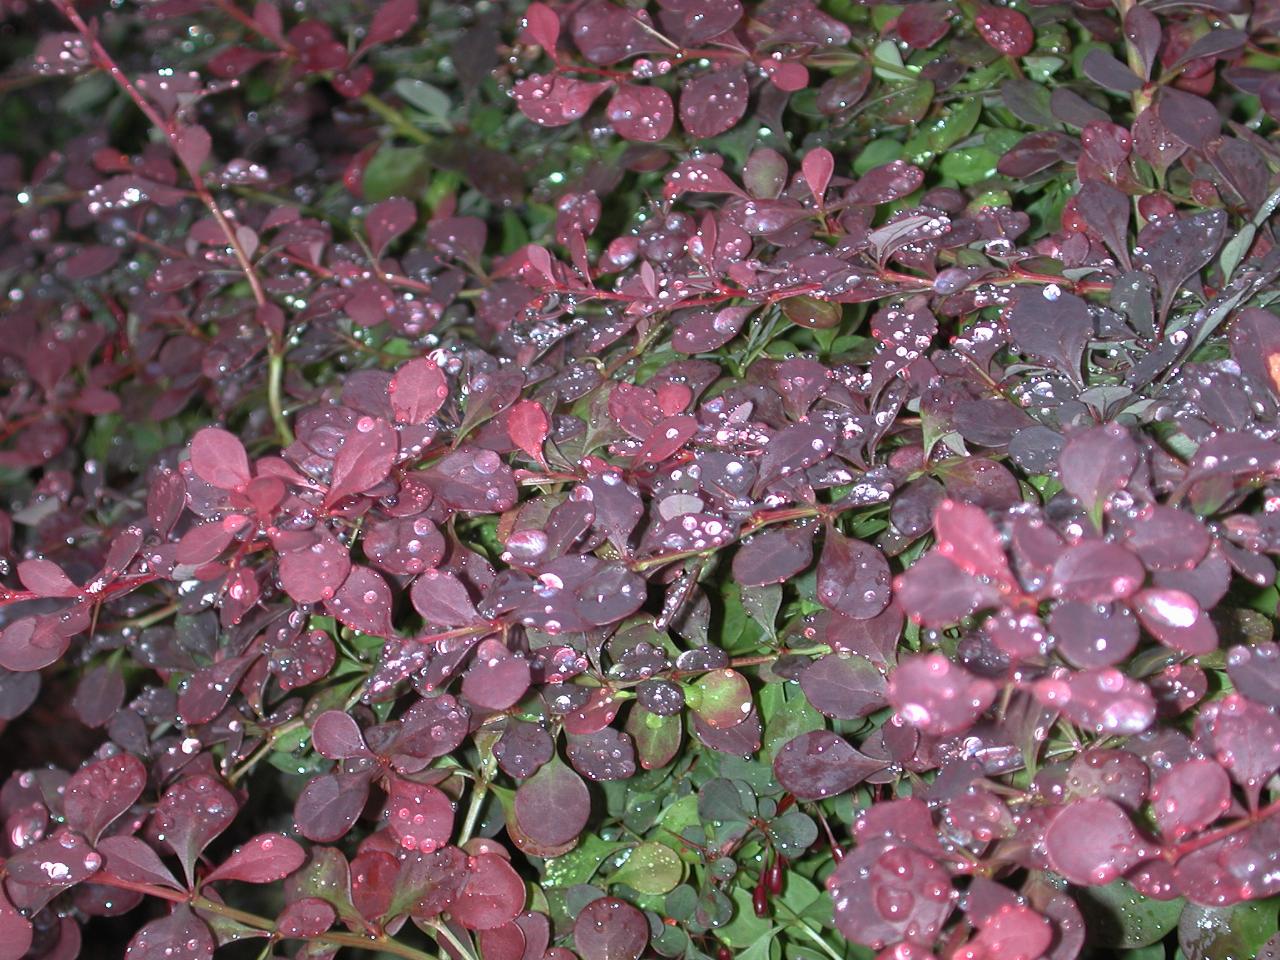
x=363 y=602
x=101 y=792
x=387 y=220
x=714 y=102
x=420 y=817
x=219 y=459
x=552 y=807
x=364 y=460
x=819 y=764
x=1092 y=842
x=938 y=696
x=264 y=859
x=853 y=577
x=192 y=814
x=180 y=936
x=610 y=929
x=644 y=114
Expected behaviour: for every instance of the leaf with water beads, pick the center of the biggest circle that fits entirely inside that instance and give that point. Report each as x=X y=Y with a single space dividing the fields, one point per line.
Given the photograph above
x=935 y=592
x=61 y=860
x=1176 y=620
x=336 y=735
x=1005 y=30
x=938 y=696
x=1096 y=463
x=133 y=860
x=1102 y=700
x=1012 y=932
x=363 y=603
x=886 y=892
x=493 y=894
x=313 y=568
x=1093 y=634
x=820 y=764
x=607 y=754
x=364 y=460
x=774 y=556
x=496 y=679
x=1096 y=571
x=191 y=814
x=219 y=459
x=387 y=220
x=610 y=929
x=1189 y=797
x=419 y=816
x=264 y=859
x=101 y=792
x=1093 y=842
x=844 y=687
x=472 y=479
x=1255 y=672
x=721 y=698
x=853 y=577
x=330 y=804
x=180 y=936
x=645 y=114
x=553 y=101
x=714 y=102
x=15 y=931
x=1245 y=739
x=418 y=390
x=308 y=917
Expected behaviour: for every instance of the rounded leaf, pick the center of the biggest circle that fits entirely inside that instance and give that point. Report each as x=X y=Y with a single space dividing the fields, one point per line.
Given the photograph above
x=610 y=929
x=553 y=805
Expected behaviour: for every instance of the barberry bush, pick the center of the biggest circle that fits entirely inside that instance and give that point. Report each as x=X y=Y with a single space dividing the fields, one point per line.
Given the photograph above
x=686 y=479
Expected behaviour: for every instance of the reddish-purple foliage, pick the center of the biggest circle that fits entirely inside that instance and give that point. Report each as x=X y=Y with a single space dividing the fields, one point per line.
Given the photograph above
x=680 y=460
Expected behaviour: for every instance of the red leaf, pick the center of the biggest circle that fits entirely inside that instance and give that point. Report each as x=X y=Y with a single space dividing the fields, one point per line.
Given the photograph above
x=528 y=425
x=419 y=816
x=46 y=579
x=1006 y=30
x=553 y=101
x=364 y=460
x=492 y=895
x=363 y=602
x=15 y=931
x=417 y=391
x=542 y=27
x=180 y=936
x=644 y=114
x=219 y=459
x=264 y=859
x=132 y=859
x=192 y=813
x=100 y=793
x=336 y=735
x=817 y=167
x=393 y=20
x=387 y=220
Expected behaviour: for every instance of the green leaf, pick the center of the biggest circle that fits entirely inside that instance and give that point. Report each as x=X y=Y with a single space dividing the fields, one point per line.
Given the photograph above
x=580 y=864
x=1227 y=933
x=652 y=868
x=1119 y=916
x=793 y=833
x=957 y=124
x=722 y=800
x=431 y=100
x=396 y=172
x=745 y=928
x=970 y=165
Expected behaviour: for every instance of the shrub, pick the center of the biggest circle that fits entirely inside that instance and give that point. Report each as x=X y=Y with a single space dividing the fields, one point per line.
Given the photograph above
x=678 y=479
